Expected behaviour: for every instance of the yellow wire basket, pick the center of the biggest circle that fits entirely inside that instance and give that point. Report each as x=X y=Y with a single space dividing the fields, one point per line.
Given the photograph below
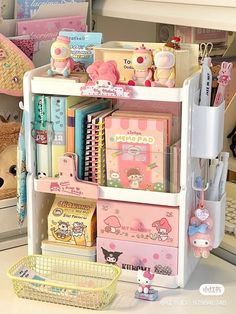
x=65 y=281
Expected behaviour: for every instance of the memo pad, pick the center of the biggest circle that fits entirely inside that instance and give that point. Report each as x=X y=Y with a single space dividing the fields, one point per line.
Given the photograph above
x=13 y=65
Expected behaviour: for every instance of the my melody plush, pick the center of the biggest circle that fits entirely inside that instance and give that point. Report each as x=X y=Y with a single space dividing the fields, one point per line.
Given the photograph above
x=61 y=61
x=104 y=74
x=200 y=233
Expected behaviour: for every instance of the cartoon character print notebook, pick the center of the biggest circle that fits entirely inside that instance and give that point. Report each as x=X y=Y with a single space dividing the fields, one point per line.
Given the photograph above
x=136 y=152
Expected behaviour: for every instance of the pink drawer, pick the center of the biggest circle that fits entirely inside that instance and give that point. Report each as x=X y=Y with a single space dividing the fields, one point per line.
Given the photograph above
x=133 y=256
x=138 y=222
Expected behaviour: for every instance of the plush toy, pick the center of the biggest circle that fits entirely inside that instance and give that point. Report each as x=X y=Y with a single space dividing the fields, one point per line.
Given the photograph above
x=61 y=61
x=9 y=132
x=201 y=239
x=104 y=74
x=164 y=61
x=174 y=43
x=8 y=172
x=200 y=233
x=142 y=60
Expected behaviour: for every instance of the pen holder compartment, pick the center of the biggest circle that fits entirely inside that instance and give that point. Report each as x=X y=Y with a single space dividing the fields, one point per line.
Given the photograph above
x=217 y=214
x=207 y=131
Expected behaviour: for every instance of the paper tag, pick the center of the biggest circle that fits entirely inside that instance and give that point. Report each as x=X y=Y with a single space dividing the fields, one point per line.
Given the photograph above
x=201 y=213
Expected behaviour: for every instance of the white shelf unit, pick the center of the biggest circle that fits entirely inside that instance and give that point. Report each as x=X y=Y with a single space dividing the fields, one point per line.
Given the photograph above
x=39 y=203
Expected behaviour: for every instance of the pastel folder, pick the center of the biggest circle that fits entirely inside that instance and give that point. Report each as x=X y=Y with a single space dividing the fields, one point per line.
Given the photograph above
x=59 y=107
x=43 y=132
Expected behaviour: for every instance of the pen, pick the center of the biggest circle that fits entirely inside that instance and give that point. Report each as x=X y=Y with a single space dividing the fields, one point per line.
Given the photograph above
x=224 y=156
x=213 y=190
x=206 y=82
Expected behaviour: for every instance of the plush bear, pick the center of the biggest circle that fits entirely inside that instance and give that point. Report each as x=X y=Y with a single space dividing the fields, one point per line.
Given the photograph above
x=9 y=133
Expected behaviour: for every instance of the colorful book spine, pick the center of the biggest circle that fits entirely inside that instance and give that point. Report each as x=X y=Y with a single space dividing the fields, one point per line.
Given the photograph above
x=58 y=118
x=70 y=141
x=80 y=130
x=42 y=128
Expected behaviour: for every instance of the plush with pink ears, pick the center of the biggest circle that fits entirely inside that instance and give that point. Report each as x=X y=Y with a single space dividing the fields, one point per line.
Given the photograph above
x=104 y=74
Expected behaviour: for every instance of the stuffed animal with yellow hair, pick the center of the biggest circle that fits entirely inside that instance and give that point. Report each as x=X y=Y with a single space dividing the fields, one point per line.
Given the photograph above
x=164 y=61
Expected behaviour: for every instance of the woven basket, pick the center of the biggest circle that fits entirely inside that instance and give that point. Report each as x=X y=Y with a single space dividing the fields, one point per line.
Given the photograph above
x=13 y=65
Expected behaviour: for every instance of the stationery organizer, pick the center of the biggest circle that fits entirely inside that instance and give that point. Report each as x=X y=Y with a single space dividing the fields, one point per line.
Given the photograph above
x=65 y=281
x=139 y=227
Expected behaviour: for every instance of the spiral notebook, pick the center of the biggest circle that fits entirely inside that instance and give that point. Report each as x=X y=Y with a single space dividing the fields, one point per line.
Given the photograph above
x=80 y=130
x=95 y=162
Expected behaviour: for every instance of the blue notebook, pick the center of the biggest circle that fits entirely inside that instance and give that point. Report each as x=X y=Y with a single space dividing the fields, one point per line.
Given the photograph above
x=80 y=130
x=59 y=107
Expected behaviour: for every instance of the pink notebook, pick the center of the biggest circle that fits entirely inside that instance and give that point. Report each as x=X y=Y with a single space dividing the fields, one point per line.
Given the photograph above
x=48 y=29
x=136 y=152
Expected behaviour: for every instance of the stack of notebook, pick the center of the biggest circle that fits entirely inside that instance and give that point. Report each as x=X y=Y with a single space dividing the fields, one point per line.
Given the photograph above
x=95 y=157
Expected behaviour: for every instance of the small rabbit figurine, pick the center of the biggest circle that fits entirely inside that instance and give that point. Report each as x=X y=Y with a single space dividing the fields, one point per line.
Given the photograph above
x=164 y=61
x=223 y=80
x=142 y=62
x=61 y=61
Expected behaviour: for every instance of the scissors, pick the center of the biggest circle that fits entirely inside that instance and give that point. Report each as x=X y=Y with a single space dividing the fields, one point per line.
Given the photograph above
x=205 y=50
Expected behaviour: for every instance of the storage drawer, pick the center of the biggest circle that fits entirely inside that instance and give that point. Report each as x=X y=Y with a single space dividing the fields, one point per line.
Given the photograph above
x=70 y=251
x=133 y=256
x=138 y=222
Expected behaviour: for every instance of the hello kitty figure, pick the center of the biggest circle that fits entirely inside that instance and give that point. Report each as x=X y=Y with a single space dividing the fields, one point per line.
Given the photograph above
x=144 y=279
x=61 y=61
x=142 y=62
x=164 y=61
x=145 y=290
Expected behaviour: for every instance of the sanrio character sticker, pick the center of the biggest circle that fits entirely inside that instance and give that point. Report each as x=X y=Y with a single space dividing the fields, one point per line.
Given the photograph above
x=111 y=257
x=163 y=228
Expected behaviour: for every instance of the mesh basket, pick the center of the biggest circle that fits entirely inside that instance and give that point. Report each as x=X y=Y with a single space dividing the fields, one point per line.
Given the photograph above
x=66 y=281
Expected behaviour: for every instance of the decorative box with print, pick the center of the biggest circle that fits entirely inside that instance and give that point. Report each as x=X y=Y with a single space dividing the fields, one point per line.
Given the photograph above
x=138 y=222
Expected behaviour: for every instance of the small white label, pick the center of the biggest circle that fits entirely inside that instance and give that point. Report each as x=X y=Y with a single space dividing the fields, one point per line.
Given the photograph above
x=212 y=289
